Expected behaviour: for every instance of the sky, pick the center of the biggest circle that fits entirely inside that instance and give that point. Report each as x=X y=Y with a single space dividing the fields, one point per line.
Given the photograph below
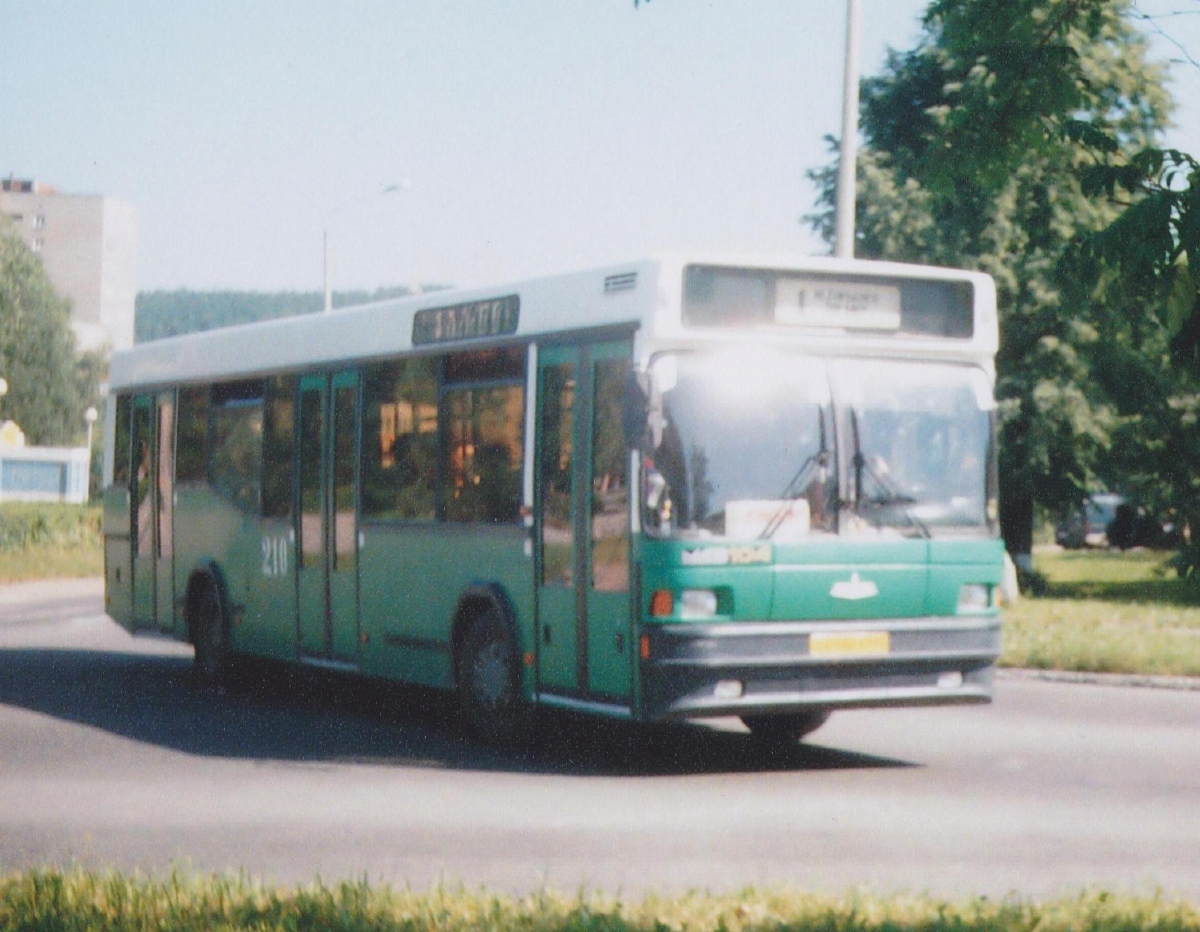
x=522 y=138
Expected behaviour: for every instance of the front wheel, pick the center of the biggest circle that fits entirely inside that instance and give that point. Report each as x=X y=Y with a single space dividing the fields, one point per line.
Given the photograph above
x=780 y=729
x=210 y=635
x=489 y=683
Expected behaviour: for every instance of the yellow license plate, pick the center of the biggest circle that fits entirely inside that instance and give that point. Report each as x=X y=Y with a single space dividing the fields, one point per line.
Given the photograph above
x=849 y=643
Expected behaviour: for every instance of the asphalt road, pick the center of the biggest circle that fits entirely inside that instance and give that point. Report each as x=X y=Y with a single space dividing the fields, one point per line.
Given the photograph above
x=110 y=756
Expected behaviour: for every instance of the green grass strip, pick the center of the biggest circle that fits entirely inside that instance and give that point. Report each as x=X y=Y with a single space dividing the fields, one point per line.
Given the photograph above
x=85 y=901
x=25 y=525
x=49 y=541
x=1106 y=612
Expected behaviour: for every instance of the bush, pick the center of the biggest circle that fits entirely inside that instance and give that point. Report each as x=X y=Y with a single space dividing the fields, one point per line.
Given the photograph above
x=24 y=525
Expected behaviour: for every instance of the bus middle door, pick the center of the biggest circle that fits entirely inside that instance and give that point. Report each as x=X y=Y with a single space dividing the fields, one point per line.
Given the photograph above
x=327 y=525
x=584 y=624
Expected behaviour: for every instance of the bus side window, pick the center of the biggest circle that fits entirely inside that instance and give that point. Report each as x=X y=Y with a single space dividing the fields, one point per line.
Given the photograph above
x=482 y=419
x=235 y=466
x=279 y=428
x=399 y=446
x=191 y=434
x=122 y=437
x=484 y=454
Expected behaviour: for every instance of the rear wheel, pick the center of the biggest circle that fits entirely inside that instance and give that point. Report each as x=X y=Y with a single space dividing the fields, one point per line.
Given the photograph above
x=210 y=634
x=793 y=726
x=489 y=682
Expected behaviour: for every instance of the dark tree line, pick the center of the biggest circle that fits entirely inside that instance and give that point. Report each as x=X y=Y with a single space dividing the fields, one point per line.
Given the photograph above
x=161 y=314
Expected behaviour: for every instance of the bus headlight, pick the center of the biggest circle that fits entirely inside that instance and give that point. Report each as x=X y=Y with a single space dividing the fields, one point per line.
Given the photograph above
x=697 y=603
x=975 y=597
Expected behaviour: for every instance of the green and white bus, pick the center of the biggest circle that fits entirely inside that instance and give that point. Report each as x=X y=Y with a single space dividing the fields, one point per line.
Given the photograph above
x=674 y=488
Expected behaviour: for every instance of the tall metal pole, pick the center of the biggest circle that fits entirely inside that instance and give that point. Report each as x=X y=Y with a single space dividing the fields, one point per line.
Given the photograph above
x=848 y=158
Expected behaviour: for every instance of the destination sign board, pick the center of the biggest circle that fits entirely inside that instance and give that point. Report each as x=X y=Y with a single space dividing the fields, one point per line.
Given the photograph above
x=828 y=302
x=880 y=305
x=473 y=320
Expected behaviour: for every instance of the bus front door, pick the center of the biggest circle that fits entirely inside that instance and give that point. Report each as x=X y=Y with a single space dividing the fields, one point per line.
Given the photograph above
x=584 y=622
x=326 y=524
x=152 y=502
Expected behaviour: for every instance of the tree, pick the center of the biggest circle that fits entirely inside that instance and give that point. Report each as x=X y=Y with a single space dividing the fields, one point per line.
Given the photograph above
x=977 y=146
x=1151 y=364
x=49 y=385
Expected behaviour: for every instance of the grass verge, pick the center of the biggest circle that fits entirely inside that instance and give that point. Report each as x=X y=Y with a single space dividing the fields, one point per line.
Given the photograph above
x=1106 y=612
x=51 y=562
x=85 y=901
x=49 y=541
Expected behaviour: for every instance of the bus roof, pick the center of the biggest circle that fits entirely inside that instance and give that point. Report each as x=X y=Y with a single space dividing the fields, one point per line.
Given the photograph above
x=642 y=294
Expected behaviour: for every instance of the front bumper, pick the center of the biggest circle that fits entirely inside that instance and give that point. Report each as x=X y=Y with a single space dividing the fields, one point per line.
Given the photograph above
x=928 y=661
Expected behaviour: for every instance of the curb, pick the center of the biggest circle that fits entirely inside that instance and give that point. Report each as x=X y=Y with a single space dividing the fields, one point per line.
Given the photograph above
x=1183 y=683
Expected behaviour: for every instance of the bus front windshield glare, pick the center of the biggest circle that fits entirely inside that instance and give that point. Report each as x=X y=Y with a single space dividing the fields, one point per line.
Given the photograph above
x=785 y=447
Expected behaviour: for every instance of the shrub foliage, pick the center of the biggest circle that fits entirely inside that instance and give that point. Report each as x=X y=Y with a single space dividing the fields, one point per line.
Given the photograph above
x=52 y=525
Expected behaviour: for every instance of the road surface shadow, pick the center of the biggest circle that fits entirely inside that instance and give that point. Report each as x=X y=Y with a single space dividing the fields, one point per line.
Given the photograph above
x=275 y=712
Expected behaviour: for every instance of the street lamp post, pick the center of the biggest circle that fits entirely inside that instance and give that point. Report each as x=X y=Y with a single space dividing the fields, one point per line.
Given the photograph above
x=90 y=415
x=390 y=189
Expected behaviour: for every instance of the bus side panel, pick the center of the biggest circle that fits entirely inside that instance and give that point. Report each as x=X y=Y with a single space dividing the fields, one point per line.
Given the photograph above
x=118 y=556
x=239 y=563
x=268 y=628
x=411 y=580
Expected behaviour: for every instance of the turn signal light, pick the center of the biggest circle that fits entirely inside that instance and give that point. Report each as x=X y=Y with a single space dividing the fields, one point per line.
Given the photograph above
x=662 y=603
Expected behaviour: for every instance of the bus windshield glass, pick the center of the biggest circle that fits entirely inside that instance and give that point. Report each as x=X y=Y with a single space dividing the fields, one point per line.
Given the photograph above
x=782 y=447
x=740 y=445
x=918 y=438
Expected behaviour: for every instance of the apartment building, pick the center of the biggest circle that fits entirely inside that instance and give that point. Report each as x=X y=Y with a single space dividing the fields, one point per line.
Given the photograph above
x=88 y=246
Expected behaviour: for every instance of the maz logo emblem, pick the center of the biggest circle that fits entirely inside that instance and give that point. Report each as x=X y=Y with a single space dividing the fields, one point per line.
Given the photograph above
x=854 y=589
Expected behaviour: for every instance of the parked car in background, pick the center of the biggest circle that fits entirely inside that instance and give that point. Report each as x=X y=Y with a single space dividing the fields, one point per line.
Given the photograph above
x=1088 y=526
x=1109 y=520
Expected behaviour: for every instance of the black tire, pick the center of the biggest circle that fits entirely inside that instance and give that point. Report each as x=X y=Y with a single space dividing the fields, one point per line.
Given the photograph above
x=210 y=634
x=784 y=729
x=489 y=683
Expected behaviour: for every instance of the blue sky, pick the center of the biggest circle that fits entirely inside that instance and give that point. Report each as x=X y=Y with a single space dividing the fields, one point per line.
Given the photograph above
x=537 y=135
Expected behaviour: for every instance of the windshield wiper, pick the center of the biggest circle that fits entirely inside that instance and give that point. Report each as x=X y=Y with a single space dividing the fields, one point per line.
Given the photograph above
x=799 y=482
x=890 y=496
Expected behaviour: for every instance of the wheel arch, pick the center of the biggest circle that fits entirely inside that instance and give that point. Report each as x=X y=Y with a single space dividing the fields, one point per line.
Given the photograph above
x=475 y=599
x=207 y=573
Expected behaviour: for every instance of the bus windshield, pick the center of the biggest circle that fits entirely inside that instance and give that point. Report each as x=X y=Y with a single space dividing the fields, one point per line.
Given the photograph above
x=919 y=438
x=740 y=445
x=783 y=447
